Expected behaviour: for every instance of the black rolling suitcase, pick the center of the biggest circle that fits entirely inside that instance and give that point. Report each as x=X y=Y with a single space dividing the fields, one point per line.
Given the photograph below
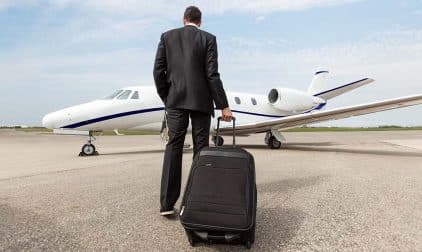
x=219 y=203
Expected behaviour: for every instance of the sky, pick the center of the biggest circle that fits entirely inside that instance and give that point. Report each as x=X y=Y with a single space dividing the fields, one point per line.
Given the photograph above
x=58 y=53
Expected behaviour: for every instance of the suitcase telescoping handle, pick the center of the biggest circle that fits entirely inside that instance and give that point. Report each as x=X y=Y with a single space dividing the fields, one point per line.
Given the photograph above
x=218 y=130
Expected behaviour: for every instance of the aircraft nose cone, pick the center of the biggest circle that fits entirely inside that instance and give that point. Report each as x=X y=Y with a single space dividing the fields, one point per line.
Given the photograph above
x=47 y=121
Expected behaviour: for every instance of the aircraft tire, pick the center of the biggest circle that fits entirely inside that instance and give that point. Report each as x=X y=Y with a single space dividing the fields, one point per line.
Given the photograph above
x=273 y=143
x=218 y=141
x=88 y=150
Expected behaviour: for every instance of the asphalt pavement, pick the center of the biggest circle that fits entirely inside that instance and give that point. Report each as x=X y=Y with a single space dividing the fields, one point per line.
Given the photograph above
x=323 y=191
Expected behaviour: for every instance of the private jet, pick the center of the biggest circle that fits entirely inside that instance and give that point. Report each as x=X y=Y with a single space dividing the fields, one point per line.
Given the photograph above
x=140 y=108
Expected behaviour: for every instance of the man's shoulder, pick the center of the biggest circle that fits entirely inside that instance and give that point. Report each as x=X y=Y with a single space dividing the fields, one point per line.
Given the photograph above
x=172 y=31
x=207 y=34
x=175 y=31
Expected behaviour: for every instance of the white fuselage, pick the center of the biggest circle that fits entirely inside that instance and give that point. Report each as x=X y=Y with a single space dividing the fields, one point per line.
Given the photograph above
x=146 y=110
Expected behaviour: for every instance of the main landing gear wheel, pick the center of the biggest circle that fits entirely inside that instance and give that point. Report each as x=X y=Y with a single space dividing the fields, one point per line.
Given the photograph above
x=272 y=142
x=218 y=141
x=88 y=149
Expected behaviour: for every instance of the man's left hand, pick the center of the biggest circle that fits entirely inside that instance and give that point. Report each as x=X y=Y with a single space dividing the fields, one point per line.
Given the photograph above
x=226 y=114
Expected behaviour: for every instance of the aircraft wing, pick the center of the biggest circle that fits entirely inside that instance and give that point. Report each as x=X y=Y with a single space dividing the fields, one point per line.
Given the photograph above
x=320 y=116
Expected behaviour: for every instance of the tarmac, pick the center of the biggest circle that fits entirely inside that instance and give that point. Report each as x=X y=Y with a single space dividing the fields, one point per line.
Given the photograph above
x=324 y=191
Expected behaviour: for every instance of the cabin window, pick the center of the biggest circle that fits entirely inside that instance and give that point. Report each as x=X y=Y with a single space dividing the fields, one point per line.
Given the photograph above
x=237 y=100
x=124 y=95
x=113 y=95
x=253 y=100
x=135 y=95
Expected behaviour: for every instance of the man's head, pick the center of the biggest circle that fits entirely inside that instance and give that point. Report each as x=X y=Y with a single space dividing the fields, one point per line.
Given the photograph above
x=192 y=15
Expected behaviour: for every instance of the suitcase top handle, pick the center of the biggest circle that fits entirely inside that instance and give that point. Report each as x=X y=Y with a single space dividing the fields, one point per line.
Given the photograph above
x=218 y=130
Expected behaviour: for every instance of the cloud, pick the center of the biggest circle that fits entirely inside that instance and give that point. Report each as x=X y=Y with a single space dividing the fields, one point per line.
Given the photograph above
x=167 y=7
x=417 y=12
x=382 y=50
x=108 y=29
x=6 y=4
x=392 y=58
x=88 y=56
x=259 y=19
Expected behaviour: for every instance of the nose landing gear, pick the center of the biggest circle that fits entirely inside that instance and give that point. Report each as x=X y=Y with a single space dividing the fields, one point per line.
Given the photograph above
x=88 y=149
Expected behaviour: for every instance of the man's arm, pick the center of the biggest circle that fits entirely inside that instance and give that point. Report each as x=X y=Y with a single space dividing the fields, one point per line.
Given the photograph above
x=214 y=82
x=160 y=71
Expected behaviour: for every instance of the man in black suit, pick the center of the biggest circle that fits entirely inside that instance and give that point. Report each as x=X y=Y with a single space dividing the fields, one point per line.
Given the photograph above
x=187 y=80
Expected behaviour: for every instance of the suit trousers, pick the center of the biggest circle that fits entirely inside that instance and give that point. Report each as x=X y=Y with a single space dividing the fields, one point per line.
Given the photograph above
x=177 y=123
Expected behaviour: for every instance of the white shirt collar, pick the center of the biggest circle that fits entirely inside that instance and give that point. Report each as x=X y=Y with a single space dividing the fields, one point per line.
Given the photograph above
x=192 y=24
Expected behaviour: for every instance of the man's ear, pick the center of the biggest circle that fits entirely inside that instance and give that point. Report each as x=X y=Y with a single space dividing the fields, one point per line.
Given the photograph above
x=199 y=24
x=184 y=21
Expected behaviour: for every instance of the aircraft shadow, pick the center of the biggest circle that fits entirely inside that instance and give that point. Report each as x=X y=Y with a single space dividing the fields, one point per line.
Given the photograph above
x=140 y=152
x=132 y=152
x=263 y=146
x=314 y=147
x=356 y=151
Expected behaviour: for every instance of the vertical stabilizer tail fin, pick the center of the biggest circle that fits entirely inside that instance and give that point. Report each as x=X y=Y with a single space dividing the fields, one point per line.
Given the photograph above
x=318 y=83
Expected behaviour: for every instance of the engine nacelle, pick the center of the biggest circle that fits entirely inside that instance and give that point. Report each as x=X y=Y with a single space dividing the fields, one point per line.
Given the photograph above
x=291 y=100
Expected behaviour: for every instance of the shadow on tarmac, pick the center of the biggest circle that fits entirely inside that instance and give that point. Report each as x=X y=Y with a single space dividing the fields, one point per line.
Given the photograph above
x=285 y=185
x=284 y=145
x=27 y=231
x=132 y=152
x=356 y=151
x=315 y=147
x=276 y=226
x=160 y=151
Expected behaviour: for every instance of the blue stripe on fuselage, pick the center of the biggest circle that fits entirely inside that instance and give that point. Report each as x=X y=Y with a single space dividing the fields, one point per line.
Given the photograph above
x=256 y=114
x=142 y=111
x=109 y=117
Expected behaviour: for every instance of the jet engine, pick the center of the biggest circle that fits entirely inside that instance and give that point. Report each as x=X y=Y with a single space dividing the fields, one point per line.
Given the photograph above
x=291 y=100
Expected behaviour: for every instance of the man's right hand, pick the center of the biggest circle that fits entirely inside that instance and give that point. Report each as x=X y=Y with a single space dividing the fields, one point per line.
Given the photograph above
x=226 y=114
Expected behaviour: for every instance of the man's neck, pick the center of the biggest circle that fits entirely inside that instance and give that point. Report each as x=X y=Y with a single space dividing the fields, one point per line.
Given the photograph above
x=191 y=24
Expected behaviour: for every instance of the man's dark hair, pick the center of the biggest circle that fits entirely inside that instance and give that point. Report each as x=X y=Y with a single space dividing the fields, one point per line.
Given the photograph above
x=193 y=14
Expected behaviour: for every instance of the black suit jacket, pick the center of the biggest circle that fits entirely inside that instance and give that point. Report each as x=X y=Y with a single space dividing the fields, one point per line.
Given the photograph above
x=186 y=70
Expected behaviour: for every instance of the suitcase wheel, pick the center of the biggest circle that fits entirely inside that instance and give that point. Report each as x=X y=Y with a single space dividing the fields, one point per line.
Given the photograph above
x=191 y=238
x=191 y=241
x=248 y=244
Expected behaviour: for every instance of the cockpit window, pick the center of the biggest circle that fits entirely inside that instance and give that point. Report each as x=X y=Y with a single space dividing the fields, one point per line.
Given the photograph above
x=113 y=95
x=135 y=95
x=124 y=95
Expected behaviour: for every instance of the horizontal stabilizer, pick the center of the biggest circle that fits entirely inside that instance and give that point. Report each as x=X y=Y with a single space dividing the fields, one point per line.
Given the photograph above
x=331 y=93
